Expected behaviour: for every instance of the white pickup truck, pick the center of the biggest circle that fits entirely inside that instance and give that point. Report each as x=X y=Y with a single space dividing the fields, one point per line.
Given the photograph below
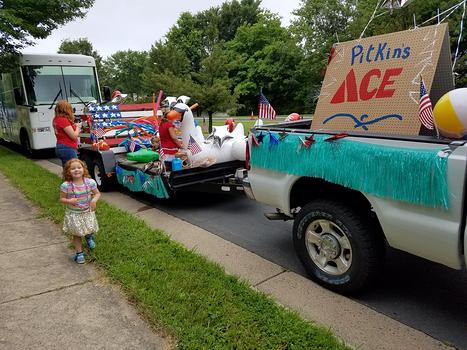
x=340 y=229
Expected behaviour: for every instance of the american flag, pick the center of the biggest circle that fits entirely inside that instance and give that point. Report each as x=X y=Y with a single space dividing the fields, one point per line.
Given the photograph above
x=161 y=154
x=101 y=112
x=98 y=132
x=193 y=146
x=132 y=145
x=265 y=109
x=425 y=108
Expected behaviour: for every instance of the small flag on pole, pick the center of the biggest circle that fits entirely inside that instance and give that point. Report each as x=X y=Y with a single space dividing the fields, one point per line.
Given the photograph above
x=193 y=146
x=132 y=145
x=425 y=108
x=265 y=110
x=161 y=154
x=98 y=132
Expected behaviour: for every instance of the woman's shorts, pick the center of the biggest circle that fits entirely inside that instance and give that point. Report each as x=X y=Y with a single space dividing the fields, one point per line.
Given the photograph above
x=65 y=153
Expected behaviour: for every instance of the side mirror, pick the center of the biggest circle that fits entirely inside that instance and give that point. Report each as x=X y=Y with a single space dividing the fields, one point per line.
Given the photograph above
x=107 y=94
x=19 y=96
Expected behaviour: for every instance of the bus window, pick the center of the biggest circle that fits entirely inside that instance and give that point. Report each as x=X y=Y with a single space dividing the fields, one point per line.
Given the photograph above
x=43 y=83
x=7 y=91
x=18 y=88
x=80 y=83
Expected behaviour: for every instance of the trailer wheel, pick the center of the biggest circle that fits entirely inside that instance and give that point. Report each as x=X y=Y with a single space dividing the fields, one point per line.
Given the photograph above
x=104 y=183
x=87 y=160
x=339 y=247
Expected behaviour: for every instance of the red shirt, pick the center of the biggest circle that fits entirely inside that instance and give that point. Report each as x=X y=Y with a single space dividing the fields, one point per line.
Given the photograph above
x=59 y=123
x=169 y=146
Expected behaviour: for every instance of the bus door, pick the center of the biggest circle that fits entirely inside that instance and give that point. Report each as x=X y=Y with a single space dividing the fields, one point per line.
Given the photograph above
x=8 y=117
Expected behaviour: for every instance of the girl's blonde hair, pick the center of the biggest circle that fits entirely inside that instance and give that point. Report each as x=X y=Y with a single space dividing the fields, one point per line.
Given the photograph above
x=65 y=109
x=66 y=169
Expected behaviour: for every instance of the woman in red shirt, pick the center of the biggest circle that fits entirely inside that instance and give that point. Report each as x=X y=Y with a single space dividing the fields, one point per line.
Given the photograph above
x=169 y=141
x=66 y=132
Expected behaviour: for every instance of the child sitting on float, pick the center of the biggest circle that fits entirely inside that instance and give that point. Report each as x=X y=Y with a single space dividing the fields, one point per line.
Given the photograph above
x=169 y=142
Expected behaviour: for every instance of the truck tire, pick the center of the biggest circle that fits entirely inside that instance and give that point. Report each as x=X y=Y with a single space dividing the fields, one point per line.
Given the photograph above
x=339 y=247
x=104 y=183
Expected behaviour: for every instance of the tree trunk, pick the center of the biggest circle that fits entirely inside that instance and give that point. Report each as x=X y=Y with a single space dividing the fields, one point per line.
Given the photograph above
x=210 y=122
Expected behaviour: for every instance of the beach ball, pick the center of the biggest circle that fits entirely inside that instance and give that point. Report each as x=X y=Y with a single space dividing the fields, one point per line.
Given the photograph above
x=450 y=114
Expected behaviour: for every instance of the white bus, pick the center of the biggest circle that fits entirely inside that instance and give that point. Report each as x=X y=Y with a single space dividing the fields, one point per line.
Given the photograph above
x=29 y=93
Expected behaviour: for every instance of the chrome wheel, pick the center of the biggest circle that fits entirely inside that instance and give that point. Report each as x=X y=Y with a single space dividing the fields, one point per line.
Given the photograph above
x=97 y=175
x=328 y=246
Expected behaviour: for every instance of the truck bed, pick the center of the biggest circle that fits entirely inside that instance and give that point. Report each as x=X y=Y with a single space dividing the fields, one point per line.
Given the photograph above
x=304 y=127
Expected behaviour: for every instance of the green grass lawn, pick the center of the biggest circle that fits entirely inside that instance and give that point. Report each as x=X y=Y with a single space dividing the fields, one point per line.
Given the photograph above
x=183 y=293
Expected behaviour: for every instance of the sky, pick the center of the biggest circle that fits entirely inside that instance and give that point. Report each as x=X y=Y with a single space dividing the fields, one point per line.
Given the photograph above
x=115 y=25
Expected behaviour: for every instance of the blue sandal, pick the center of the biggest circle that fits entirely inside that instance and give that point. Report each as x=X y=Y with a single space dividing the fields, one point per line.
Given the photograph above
x=79 y=258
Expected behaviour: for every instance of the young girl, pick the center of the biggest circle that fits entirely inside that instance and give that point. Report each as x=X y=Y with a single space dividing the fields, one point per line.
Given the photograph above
x=168 y=137
x=79 y=192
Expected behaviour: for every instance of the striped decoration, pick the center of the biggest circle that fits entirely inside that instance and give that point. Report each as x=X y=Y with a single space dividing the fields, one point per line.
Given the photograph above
x=417 y=176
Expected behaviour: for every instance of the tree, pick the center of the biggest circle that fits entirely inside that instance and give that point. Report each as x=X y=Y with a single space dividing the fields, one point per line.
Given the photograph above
x=197 y=35
x=213 y=90
x=22 y=21
x=166 y=56
x=123 y=71
x=265 y=55
x=319 y=24
x=167 y=68
x=234 y=14
x=81 y=46
x=187 y=37
x=171 y=84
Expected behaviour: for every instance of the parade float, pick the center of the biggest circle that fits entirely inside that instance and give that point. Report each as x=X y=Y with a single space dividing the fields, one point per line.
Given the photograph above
x=120 y=143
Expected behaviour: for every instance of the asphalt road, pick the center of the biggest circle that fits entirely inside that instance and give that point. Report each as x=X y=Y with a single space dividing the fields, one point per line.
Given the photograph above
x=424 y=295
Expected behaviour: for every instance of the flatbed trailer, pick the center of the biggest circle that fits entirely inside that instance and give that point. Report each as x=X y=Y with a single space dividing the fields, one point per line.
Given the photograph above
x=109 y=167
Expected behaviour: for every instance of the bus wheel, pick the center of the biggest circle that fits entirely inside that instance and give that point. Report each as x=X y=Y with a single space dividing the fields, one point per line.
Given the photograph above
x=104 y=183
x=26 y=144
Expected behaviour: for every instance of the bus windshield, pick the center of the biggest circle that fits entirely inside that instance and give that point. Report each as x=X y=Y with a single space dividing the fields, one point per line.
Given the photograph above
x=45 y=83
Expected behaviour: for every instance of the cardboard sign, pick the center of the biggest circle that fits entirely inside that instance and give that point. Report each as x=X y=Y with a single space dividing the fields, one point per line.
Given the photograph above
x=372 y=85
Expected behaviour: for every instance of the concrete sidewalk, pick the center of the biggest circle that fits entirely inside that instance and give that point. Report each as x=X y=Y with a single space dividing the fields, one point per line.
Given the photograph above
x=47 y=301
x=356 y=324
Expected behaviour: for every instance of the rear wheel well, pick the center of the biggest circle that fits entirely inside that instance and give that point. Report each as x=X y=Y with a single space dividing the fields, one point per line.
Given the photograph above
x=25 y=142
x=308 y=188
x=23 y=133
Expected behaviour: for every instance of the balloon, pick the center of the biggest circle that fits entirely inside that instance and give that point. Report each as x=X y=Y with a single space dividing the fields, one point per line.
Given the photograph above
x=230 y=122
x=450 y=114
x=293 y=117
x=174 y=115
